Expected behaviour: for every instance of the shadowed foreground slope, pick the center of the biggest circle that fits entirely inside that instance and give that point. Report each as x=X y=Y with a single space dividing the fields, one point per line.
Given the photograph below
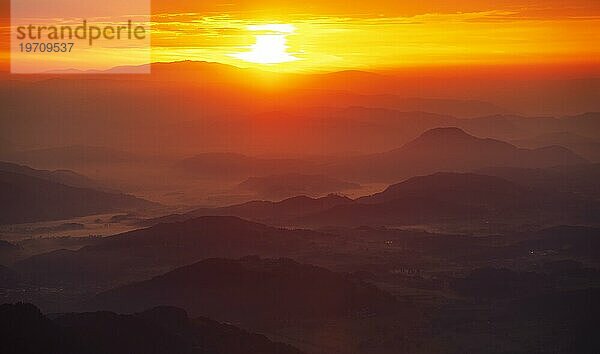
x=250 y=289
x=163 y=330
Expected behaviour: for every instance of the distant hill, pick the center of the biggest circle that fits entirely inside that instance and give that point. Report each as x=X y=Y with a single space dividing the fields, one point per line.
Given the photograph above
x=438 y=198
x=112 y=111
x=264 y=211
x=335 y=82
x=66 y=177
x=142 y=253
x=512 y=126
x=35 y=199
x=582 y=145
x=251 y=289
x=458 y=108
x=587 y=123
x=162 y=330
x=451 y=149
x=456 y=197
x=577 y=179
x=524 y=128
x=461 y=187
x=294 y=184
x=351 y=80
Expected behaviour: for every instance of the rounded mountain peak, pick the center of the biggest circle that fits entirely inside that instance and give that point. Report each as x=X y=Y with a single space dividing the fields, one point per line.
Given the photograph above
x=446 y=133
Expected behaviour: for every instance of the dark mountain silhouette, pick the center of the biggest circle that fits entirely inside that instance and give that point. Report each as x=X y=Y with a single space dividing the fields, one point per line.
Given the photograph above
x=509 y=126
x=459 y=108
x=440 y=106
x=461 y=187
x=551 y=95
x=449 y=196
x=280 y=212
x=373 y=129
x=216 y=74
x=441 y=197
x=66 y=177
x=294 y=184
x=334 y=84
x=464 y=242
x=230 y=97
x=361 y=129
x=142 y=253
x=251 y=289
x=367 y=127
x=451 y=149
x=582 y=145
x=524 y=128
x=577 y=179
x=585 y=123
x=34 y=199
x=163 y=330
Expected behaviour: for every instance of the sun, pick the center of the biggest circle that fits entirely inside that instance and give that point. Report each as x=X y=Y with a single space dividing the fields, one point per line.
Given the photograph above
x=270 y=46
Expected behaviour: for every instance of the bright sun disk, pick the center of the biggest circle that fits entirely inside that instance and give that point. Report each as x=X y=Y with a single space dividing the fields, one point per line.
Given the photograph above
x=270 y=48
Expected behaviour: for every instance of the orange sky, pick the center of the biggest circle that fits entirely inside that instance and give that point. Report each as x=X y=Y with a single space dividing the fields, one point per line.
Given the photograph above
x=374 y=35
